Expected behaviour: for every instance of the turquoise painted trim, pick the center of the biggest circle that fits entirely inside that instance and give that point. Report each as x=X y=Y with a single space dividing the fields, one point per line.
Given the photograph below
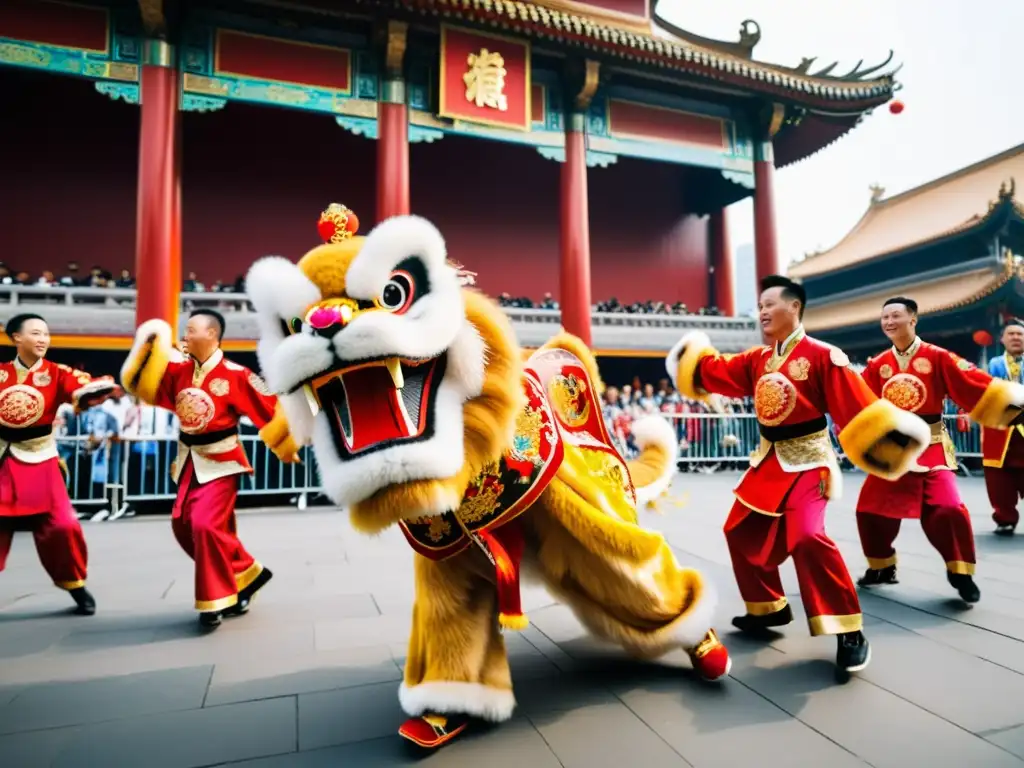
x=594 y=159
x=420 y=135
x=763 y=150
x=190 y=102
x=738 y=177
x=600 y=159
x=359 y=126
x=367 y=128
x=120 y=63
x=126 y=92
x=65 y=61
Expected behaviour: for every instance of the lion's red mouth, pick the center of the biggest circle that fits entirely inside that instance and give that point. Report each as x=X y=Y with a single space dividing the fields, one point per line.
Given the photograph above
x=378 y=404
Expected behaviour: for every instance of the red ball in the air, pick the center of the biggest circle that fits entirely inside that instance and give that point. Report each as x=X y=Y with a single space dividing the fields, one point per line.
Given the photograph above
x=352 y=224
x=896 y=106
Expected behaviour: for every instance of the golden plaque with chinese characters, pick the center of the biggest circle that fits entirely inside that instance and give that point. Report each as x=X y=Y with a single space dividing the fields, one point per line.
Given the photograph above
x=485 y=80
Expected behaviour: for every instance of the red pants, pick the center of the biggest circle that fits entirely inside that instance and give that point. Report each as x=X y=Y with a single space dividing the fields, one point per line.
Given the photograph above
x=760 y=543
x=1005 y=485
x=203 y=522
x=39 y=489
x=944 y=519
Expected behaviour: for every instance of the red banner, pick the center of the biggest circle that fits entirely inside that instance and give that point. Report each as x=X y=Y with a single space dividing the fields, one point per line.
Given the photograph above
x=485 y=79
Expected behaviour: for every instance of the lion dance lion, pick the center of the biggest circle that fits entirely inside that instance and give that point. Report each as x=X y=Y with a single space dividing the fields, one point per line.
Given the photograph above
x=414 y=393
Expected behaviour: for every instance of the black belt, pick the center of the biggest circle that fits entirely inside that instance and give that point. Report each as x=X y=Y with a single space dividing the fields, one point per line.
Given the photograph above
x=21 y=434
x=792 y=431
x=932 y=418
x=206 y=438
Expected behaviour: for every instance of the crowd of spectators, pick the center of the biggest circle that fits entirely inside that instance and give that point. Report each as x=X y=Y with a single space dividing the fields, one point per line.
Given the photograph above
x=98 y=277
x=611 y=305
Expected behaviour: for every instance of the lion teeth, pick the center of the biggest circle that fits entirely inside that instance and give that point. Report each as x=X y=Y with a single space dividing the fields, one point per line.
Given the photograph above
x=311 y=400
x=394 y=367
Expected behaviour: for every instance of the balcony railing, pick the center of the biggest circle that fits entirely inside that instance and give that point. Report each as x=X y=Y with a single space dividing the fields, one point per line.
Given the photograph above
x=111 y=311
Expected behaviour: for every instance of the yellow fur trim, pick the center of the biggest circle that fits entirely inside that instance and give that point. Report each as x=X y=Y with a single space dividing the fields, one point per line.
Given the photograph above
x=143 y=370
x=276 y=435
x=865 y=444
x=998 y=406
x=327 y=265
x=489 y=422
x=575 y=346
x=686 y=371
x=598 y=531
x=515 y=623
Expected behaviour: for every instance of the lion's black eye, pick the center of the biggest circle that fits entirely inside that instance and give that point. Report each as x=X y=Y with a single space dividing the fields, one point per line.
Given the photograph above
x=296 y=324
x=398 y=292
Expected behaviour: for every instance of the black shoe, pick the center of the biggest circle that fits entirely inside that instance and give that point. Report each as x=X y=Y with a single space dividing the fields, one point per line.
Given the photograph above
x=1004 y=529
x=84 y=600
x=245 y=596
x=964 y=584
x=853 y=653
x=209 y=619
x=876 y=577
x=759 y=625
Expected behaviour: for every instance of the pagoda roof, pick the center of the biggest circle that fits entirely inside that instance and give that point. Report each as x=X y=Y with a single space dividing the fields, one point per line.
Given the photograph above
x=947 y=206
x=932 y=297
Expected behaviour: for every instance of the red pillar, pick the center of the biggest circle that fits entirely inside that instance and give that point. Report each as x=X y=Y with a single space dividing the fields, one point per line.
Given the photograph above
x=158 y=227
x=721 y=262
x=766 y=248
x=392 y=150
x=574 y=273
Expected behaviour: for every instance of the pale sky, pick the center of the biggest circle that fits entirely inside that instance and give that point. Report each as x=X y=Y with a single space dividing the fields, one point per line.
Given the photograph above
x=960 y=87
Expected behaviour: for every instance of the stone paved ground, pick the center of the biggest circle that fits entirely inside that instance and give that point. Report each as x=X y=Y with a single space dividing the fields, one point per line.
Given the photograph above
x=310 y=677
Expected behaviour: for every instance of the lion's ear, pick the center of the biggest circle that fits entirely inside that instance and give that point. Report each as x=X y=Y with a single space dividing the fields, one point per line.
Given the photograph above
x=279 y=292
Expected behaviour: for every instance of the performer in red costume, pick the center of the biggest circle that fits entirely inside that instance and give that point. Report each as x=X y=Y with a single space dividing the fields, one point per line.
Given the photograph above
x=1003 y=449
x=33 y=494
x=917 y=376
x=780 y=502
x=209 y=394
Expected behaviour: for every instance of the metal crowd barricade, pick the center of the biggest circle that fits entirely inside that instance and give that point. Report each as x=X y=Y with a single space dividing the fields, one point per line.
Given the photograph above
x=715 y=438
x=136 y=470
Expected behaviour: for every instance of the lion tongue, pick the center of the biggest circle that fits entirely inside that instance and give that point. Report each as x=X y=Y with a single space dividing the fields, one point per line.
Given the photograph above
x=376 y=412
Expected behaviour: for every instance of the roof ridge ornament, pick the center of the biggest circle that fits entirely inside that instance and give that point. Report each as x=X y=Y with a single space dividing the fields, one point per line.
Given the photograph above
x=1007 y=191
x=855 y=75
x=750 y=36
x=877 y=192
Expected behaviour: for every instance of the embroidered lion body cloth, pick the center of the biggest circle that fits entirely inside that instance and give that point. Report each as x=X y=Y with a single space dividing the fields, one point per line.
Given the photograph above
x=414 y=393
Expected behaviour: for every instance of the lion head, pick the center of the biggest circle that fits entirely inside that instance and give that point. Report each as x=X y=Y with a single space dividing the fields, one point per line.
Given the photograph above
x=406 y=382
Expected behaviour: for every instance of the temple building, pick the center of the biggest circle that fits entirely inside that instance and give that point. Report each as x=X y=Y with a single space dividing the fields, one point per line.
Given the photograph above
x=582 y=148
x=954 y=245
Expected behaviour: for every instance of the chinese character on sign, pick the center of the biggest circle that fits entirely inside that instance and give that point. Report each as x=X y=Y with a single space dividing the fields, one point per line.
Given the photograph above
x=485 y=80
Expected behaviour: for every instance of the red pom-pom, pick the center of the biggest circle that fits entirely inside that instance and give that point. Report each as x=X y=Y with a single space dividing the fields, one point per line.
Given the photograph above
x=326 y=229
x=895 y=106
x=982 y=338
x=352 y=225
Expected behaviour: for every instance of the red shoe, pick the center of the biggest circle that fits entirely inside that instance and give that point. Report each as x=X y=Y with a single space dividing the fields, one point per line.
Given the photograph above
x=710 y=658
x=433 y=731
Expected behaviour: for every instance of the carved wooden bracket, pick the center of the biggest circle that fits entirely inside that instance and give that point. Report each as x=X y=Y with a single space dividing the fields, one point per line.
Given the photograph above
x=397 y=32
x=591 y=80
x=153 y=18
x=775 y=121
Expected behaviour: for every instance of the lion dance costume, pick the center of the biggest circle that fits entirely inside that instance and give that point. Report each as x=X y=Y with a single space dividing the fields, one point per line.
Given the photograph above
x=423 y=415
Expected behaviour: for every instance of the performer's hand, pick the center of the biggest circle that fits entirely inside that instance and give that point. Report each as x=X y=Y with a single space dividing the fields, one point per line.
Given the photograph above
x=287 y=451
